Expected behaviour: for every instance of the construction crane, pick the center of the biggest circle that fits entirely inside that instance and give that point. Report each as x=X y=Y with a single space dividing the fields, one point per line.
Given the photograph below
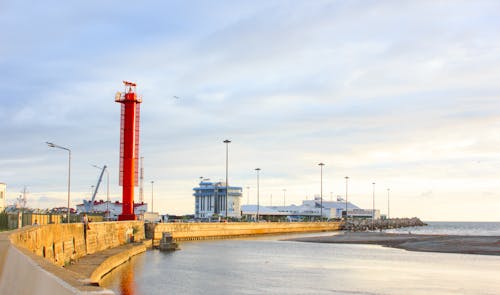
x=89 y=205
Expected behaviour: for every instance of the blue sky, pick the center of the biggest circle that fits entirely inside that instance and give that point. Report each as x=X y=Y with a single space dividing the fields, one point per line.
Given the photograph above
x=401 y=93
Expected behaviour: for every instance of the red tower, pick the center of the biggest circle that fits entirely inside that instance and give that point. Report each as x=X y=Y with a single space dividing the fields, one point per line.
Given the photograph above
x=129 y=147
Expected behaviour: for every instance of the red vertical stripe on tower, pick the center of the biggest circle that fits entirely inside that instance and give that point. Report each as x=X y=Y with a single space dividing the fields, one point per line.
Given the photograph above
x=136 y=153
x=122 y=128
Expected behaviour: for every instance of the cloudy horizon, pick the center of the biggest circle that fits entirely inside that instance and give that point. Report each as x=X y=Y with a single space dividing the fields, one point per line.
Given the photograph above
x=403 y=94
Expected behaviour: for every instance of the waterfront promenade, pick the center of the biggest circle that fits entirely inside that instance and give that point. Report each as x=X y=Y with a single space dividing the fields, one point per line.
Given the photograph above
x=47 y=253
x=64 y=260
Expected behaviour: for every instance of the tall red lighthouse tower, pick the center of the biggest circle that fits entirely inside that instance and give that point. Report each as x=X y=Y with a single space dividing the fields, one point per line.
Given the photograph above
x=129 y=147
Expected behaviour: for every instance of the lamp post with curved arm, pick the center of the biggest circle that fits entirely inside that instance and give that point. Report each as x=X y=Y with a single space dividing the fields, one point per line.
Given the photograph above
x=53 y=145
x=321 y=191
x=227 y=141
x=258 y=189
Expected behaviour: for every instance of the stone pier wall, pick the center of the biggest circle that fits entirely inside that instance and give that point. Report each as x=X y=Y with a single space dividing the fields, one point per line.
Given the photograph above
x=31 y=257
x=199 y=231
x=60 y=243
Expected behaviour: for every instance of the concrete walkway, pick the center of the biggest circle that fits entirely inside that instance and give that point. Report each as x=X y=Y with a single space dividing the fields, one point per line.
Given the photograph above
x=95 y=266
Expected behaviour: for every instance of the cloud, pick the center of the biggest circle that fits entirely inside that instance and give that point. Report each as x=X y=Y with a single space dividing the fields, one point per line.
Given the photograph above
x=404 y=93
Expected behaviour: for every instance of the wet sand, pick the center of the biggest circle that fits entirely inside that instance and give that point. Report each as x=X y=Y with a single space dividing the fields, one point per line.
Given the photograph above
x=484 y=245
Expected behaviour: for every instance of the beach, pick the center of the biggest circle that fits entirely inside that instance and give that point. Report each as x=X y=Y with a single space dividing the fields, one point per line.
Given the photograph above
x=463 y=244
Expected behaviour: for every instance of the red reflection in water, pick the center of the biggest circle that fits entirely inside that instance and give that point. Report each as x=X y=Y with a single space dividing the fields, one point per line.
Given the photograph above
x=127 y=284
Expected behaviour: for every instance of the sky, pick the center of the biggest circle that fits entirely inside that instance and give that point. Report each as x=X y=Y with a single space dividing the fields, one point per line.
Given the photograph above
x=401 y=93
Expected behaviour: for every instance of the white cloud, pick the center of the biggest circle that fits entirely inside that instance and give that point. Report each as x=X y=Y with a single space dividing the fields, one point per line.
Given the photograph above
x=404 y=94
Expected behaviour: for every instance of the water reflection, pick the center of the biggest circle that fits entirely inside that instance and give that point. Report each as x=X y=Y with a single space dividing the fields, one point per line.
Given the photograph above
x=127 y=284
x=122 y=279
x=281 y=267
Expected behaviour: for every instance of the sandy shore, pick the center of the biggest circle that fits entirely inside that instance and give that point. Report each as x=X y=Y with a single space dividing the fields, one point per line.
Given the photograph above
x=485 y=245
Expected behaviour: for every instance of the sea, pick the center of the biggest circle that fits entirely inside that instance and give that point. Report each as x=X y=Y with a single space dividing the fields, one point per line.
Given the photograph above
x=270 y=265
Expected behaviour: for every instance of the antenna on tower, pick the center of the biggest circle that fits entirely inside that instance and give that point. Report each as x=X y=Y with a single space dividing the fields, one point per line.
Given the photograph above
x=21 y=201
x=141 y=181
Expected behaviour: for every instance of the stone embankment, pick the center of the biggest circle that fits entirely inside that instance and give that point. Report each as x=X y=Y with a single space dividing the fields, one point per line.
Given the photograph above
x=204 y=231
x=32 y=258
x=67 y=259
x=366 y=224
x=94 y=267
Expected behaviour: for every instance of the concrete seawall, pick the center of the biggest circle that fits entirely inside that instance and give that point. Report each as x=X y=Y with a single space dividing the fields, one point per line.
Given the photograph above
x=61 y=243
x=31 y=258
x=201 y=231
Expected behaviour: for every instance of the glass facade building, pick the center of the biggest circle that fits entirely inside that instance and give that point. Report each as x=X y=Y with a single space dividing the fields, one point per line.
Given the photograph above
x=210 y=200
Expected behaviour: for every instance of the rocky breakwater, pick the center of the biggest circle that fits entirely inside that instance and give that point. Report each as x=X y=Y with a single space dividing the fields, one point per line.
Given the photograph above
x=368 y=224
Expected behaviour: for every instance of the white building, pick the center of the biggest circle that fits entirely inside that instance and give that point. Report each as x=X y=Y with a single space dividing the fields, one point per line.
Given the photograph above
x=210 y=200
x=3 y=196
x=310 y=209
x=113 y=209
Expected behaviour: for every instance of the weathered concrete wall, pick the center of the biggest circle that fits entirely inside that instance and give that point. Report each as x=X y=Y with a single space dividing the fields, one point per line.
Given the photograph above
x=60 y=243
x=30 y=258
x=23 y=272
x=198 y=231
x=113 y=261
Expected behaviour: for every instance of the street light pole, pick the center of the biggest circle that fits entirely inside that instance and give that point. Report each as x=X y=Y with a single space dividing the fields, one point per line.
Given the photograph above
x=373 y=208
x=53 y=145
x=284 y=198
x=227 y=141
x=107 y=192
x=152 y=183
x=321 y=191
x=388 y=207
x=248 y=195
x=346 y=181
x=258 y=189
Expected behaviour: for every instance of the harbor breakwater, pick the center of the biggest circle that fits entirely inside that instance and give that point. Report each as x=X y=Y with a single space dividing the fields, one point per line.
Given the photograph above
x=31 y=258
x=204 y=231
x=380 y=224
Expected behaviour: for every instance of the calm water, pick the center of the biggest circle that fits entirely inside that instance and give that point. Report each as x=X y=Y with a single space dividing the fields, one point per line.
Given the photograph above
x=455 y=228
x=270 y=266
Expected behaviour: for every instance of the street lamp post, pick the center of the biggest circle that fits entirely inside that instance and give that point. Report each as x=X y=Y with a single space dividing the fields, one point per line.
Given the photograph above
x=284 y=198
x=248 y=195
x=321 y=191
x=152 y=183
x=258 y=189
x=346 y=181
x=388 y=207
x=373 y=208
x=227 y=141
x=53 y=145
